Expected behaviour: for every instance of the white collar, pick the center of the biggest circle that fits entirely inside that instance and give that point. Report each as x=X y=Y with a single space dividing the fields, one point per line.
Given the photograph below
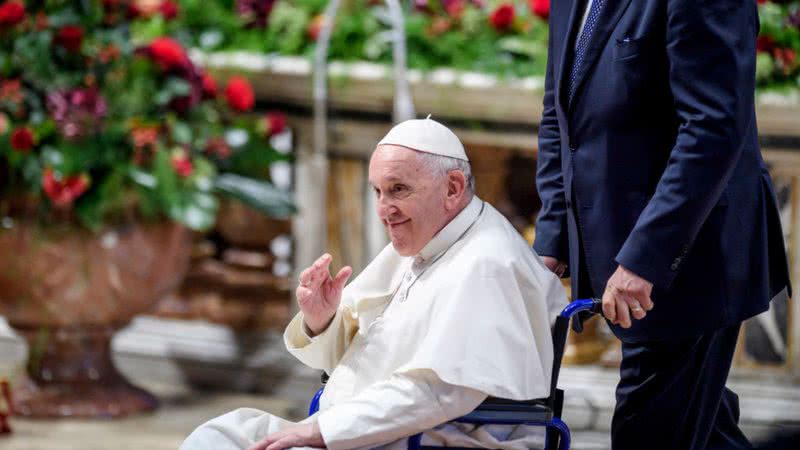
x=448 y=235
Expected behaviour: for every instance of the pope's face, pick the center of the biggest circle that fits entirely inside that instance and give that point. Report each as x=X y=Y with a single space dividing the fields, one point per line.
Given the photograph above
x=411 y=200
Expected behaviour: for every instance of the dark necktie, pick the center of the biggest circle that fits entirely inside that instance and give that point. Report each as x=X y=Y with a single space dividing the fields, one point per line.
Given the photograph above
x=583 y=44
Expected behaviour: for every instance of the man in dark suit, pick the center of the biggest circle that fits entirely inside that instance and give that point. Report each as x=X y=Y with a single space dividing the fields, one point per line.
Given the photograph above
x=655 y=197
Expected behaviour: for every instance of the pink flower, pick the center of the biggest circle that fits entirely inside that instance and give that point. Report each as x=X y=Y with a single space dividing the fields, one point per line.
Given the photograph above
x=77 y=112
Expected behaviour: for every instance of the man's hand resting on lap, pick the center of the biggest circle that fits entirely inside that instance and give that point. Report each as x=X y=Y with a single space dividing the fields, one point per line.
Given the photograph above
x=319 y=295
x=304 y=435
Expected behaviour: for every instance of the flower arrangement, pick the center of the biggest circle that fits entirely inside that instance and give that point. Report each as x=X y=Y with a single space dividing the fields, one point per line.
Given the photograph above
x=507 y=37
x=778 y=44
x=502 y=37
x=100 y=120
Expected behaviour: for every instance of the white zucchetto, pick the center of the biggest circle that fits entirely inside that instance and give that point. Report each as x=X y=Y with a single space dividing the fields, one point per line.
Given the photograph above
x=426 y=135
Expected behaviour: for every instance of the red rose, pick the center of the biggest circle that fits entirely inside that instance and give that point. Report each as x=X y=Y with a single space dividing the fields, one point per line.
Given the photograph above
x=168 y=53
x=63 y=192
x=11 y=13
x=540 y=8
x=209 y=86
x=503 y=17
x=274 y=122
x=239 y=93
x=168 y=9
x=70 y=37
x=22 y=139
x=181 y=163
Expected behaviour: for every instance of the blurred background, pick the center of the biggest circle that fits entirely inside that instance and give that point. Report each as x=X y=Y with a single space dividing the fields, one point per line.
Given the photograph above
x=166 y=167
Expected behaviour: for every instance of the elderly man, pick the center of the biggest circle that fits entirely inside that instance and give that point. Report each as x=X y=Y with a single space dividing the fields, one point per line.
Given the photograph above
x=455 y=309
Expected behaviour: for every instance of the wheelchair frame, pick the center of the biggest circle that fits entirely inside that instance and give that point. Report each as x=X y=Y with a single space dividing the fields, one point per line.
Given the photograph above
x=544 y=412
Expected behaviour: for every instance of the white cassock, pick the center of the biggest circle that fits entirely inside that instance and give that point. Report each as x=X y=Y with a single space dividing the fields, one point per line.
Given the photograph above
x=418 y=341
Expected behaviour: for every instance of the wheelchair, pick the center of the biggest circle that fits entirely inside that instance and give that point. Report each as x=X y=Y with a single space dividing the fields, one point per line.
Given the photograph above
x=545 y=412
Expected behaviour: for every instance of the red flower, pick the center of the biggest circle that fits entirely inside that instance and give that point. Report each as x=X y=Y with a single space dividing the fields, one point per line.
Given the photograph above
x=273 y=123
x=168 y=54
x=11 y=13
x=209 y=86
x=502 y=17
x=181 y=163
x=786 y=57
x=62 y=192
x=540 y=8
x=168 y=9
x=22 y=139
x=70 y=37
x=315 y=27
x=454 y=8
x=765 y=44
x=239 y=93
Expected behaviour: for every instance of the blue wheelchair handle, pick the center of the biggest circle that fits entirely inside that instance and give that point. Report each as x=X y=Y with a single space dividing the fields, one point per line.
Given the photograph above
x=593 y=305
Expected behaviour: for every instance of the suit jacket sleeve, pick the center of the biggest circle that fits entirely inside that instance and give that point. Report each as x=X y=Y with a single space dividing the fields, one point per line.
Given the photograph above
x=403 y=405
x=551 y=224
x=711 y=58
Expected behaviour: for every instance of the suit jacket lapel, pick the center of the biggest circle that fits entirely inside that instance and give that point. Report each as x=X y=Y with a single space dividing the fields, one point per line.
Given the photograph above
x=565 y=61
x=609 y=16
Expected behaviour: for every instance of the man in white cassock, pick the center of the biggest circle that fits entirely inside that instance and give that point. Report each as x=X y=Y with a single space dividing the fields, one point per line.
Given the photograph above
x=457 y=308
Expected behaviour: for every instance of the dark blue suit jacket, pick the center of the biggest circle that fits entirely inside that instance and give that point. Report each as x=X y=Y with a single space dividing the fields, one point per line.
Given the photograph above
x=656 y=161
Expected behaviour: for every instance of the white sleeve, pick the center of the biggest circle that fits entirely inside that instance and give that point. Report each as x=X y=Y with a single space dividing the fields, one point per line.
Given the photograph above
x=326 y=349
x=401 y=406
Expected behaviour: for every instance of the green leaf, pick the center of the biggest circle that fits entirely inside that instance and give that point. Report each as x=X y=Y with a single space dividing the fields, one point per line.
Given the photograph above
x=182 y=133
x=142 y=178
x=260 y=195
x=196 y=210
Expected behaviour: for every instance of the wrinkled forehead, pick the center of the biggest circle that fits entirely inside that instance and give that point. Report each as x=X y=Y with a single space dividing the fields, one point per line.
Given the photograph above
x=394 y=163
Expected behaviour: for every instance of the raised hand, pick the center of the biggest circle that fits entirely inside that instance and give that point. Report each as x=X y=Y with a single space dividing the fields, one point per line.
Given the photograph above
x=319 y=295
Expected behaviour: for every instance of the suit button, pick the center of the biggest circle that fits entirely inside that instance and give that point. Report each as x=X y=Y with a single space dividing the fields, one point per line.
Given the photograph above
x=573 y=148
x=674 y=267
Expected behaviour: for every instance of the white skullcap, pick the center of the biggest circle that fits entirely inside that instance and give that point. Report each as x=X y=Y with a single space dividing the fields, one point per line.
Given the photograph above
x=426 y=135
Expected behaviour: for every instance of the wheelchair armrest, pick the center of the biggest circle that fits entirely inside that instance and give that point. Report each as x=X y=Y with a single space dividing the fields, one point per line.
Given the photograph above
x=502 y=404
x=502 y=411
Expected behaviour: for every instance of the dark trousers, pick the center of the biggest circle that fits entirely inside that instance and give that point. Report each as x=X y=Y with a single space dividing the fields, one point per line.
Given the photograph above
x=672 y=395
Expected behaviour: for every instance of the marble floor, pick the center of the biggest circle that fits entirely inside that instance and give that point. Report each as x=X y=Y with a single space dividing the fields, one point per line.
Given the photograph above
x=166 y=428
x=270 y=380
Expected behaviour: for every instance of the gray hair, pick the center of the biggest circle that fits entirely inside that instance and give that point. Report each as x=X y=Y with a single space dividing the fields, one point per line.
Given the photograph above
x=441 y=165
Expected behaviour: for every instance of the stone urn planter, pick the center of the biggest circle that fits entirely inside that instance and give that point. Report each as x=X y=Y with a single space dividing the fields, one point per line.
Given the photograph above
x=67 y=291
